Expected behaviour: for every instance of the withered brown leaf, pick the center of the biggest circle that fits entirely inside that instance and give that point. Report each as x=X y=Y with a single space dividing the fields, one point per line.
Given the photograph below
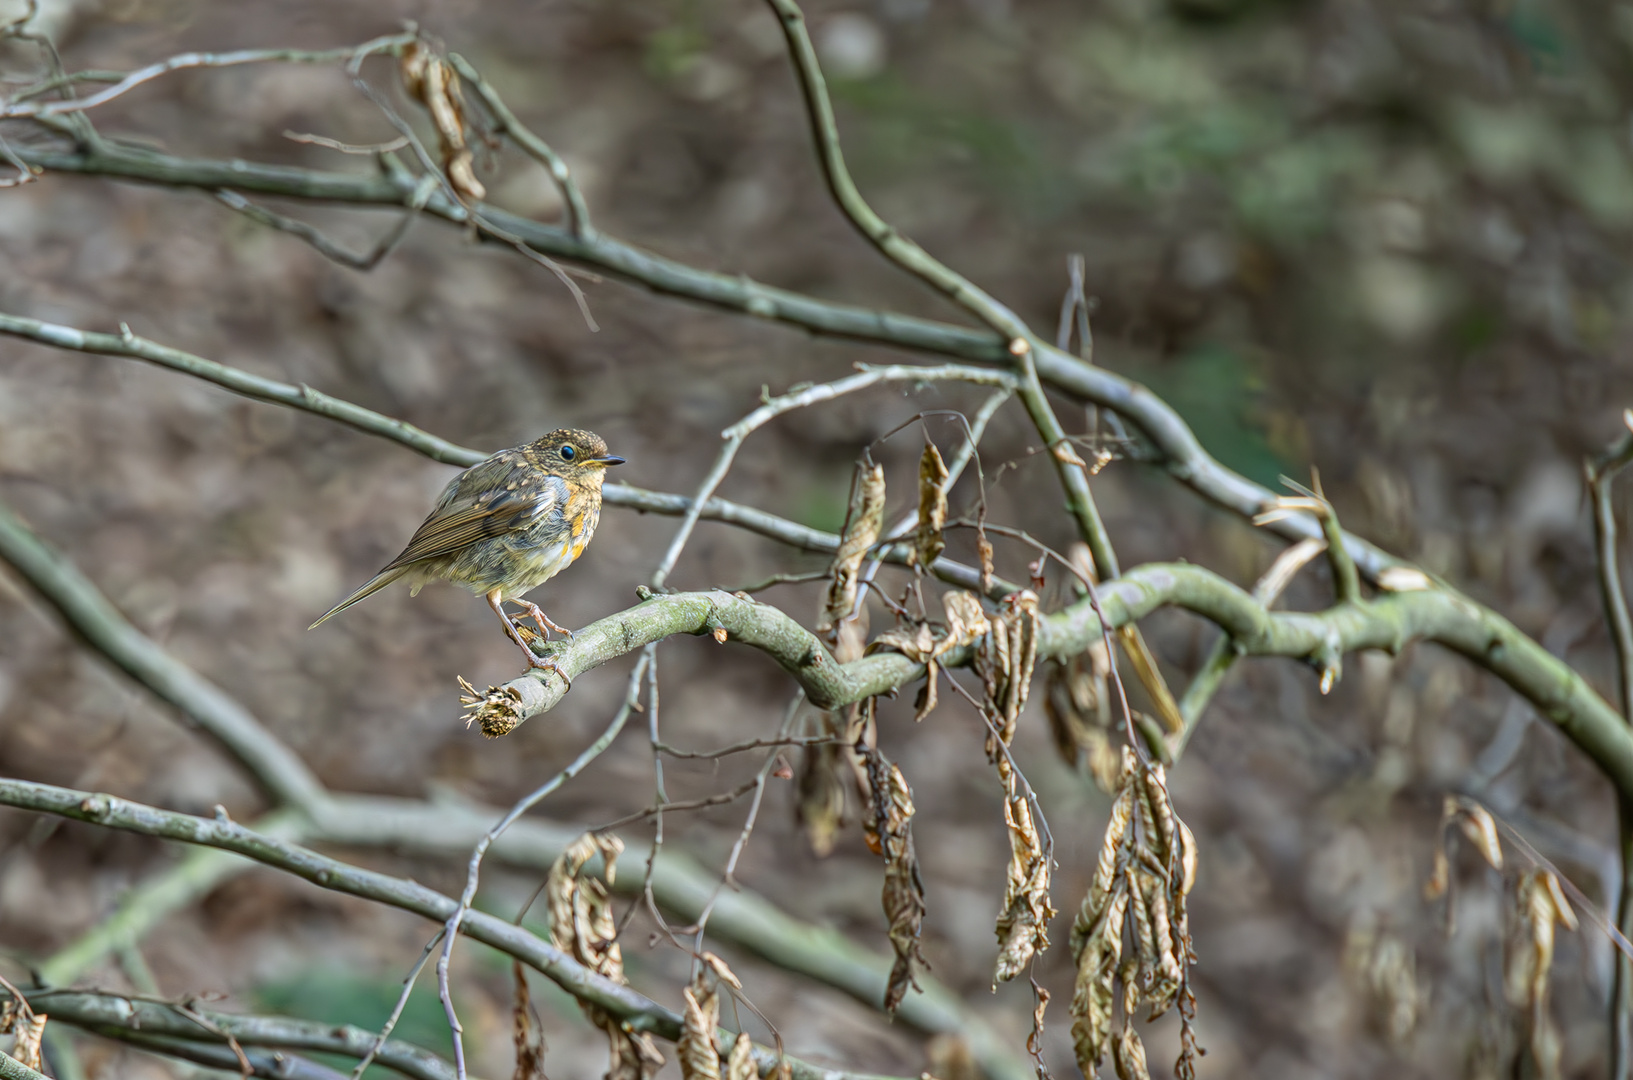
x=928 y=542
x=863 y=522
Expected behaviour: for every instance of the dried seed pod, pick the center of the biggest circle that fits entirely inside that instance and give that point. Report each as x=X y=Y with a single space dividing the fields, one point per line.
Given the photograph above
x=928 y=541
x=983 y=554
x=428 y=79
x=863 y=521
x=1481 y=830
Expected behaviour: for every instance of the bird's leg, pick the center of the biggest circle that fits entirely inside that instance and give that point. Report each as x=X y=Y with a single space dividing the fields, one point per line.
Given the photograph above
x=533 y=659
x=541 y=620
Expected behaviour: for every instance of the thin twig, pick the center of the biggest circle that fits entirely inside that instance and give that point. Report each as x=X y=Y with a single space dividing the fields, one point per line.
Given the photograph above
x=450 y=930
x=306 y=399
x=1601 y=474
x=390 y=1025
x=1225 y=651
x=23 y=110
x=321 y=243
x=505 y=122
x=798 y=399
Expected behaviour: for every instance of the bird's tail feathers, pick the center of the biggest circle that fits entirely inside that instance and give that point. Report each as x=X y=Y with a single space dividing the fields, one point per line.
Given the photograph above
x=378 y=582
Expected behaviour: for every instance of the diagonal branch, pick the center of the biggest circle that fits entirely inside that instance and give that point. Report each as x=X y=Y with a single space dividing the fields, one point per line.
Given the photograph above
x=636 y=1011
x=305 y=399
x=1175 y=446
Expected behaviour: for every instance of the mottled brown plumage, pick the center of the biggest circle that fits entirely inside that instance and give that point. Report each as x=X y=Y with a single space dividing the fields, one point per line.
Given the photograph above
x=507 y=525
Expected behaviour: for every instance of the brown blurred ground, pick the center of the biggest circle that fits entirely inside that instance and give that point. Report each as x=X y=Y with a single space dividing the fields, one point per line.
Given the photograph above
x=1385 y=239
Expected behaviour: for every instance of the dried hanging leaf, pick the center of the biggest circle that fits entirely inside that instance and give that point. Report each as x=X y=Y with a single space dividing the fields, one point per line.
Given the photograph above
x=428 y=79
x=582 y=925
x=740 y=1062
x=1145 y=666
x=863 y=522
x=1477 y=824
x=1541 y=904
x=1093 y=995
x=903 y=896
x=527 y=1034
x=821 y=807
x=928 y=541
x=983 y=553
x=1023 y=925
x=1128 y=1055
x=1005 y=662
x=695 y=1050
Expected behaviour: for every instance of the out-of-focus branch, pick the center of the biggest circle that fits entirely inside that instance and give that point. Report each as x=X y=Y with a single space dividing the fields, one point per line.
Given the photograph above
x=269 y=1064
x=30 y=109
x=89 y=615
x=1601 y=474
x=143 y=907
x=306 y=399
x=633 y=1009
x=116 y=1016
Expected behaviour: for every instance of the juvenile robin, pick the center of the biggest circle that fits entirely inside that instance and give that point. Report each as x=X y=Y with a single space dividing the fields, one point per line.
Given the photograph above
x=507 y=525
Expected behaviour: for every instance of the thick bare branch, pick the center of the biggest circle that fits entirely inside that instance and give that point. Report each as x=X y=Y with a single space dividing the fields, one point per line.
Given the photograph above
x=633 y=1009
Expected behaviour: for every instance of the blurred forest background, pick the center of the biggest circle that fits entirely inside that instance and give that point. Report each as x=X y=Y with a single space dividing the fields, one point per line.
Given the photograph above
x=1386 y=238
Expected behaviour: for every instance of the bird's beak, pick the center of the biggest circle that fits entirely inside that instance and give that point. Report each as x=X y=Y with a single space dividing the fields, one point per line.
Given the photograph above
x=606 y=460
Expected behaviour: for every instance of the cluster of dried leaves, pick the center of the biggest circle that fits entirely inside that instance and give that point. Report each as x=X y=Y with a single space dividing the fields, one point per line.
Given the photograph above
x=1146 y=868
x=25 y=1026
x=429 y=80
x=1005 y=662
x=699 y=1057
x=581 y=925
x=1540 y=905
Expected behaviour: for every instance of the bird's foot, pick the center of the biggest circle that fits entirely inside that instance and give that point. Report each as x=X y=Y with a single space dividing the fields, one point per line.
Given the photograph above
x=543 y=621
x=547 y=663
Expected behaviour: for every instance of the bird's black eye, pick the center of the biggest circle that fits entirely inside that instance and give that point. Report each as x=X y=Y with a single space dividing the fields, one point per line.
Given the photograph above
x=567 y=452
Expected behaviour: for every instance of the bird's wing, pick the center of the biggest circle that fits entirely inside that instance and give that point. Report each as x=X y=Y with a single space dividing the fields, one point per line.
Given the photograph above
x=500 y=495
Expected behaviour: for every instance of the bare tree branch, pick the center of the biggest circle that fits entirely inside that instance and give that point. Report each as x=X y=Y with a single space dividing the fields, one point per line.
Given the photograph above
x=116 y=1016
x=633 y=1009
x=306 y=399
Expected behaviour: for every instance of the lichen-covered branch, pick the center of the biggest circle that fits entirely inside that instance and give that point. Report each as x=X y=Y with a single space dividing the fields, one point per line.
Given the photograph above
x=1387 y=622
